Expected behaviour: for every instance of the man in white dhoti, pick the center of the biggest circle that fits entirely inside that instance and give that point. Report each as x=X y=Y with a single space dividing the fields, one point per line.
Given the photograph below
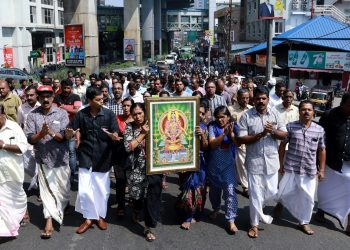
x=97 y=128
x=334 y=191
x=260 y=128
x=297 y=188
x=13 y=199
x=237 y=110
x=45 y=130
x=31 y=103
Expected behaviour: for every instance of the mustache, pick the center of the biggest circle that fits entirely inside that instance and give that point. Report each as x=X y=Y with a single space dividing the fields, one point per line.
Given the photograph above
x=46 y=102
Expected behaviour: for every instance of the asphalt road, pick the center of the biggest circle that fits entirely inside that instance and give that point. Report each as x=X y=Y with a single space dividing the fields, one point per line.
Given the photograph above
x=206 y=234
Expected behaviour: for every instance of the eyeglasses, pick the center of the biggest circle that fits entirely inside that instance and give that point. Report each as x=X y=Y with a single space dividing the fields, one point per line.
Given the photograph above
x=45 y=96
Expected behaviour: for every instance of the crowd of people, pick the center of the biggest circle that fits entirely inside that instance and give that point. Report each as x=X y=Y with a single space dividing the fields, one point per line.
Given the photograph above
x=79 y=130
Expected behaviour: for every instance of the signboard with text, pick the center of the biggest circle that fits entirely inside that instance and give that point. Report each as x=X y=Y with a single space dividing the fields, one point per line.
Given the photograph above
x=8 y=57
x=74 y=45
x=260 y=60
x=319 y=60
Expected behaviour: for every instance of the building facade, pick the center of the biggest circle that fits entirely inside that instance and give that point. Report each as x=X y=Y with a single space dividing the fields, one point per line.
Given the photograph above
x=31 y=25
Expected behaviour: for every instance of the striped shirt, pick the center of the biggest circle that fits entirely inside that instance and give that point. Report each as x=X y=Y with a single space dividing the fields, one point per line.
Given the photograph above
x=262 y=156
x=303 y=145
x=215 y=102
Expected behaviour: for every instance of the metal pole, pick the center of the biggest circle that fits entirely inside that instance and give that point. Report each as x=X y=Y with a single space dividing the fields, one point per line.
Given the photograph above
x=209 y=48
x=229 y=33
x=268 y=72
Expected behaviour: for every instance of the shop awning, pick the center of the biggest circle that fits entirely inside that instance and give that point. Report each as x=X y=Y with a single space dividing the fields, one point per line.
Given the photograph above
x=317 y=70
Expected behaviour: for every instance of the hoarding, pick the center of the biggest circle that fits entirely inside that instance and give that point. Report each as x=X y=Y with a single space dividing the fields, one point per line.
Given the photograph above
x=319 y=60
x=8 y=57
x=272 y=9
x=74 y=45
x=129 y=49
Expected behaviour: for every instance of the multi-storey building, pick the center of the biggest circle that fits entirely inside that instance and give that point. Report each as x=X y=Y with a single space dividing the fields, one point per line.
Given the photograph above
x=32 y=25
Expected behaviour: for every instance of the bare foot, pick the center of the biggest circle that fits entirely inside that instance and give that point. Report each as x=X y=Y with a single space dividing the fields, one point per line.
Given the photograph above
x=193 y=221
x=186 y=225
x=231 y=227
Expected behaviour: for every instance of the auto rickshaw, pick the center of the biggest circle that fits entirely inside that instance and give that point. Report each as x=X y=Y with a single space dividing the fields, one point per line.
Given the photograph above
x=322 y=97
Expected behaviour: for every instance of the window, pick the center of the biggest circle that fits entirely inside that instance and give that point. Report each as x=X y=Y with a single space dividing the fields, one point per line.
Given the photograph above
x=48 y=39
x=60 y=17
x=279 y=27
x=60 y=38
x=185 y=19
x=32 y=14
x=60 y=3
x=47 y=2
x=47 y=16
x=172 y=18
x=49 y=54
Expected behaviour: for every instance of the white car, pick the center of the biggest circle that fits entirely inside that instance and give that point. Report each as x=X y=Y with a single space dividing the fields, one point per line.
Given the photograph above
x=170 y=59
x=174 y=54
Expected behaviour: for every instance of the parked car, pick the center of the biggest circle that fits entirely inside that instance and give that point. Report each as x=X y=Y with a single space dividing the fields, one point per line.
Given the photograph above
x=170 y=59
x=13 y=73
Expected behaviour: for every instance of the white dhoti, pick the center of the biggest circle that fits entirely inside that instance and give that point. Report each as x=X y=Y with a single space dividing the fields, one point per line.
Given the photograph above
x=334 y=193
x=93 y=194
x=31 y=167
x=241 y=170
x=262 y=188
x=54 y=184
x=297 y=194
x=13 y=206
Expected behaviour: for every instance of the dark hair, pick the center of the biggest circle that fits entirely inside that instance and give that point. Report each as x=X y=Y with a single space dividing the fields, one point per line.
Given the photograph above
x=222 y=109
x=93 y=75
x=102 y=75
x=9 y=80
x=132 y=85
x=204 y=104
x=129 y=99
x=92 y=92
x=345 y=98
x=138 y=105
x=83 y=74
x=66 y=82
x=197 y=93
x=30 y=87
x=287 y=91
x=164 y=92
x=22 y=80
x=242 y=91
x=104 y=85
x=302 y=103
x=209 y=81
x=280 y=85
x=261 y=90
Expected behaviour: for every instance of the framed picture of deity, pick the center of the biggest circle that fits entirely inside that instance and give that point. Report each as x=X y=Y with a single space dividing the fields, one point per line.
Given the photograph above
x=172 y=145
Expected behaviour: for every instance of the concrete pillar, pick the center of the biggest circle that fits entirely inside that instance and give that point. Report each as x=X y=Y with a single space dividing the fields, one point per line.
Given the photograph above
x=132 y=26
x=158 y=24
x=212 y=8
x=85 y=12
x=147 y=23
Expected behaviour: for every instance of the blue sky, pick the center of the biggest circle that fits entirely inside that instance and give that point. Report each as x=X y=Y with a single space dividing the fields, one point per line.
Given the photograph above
x=114 y=2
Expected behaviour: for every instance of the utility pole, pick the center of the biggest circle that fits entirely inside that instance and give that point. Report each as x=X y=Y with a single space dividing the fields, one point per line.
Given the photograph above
x=229 y=23
x=269 y=26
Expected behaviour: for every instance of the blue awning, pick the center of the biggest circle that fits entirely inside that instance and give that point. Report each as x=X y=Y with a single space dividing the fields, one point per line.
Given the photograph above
x=262 y=46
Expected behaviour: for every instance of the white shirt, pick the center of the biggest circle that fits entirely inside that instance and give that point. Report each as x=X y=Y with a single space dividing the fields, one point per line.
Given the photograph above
x=81 y=92
x=274 y=100
x=23 y=112
x=288 y=115
x=137 y=97
x=11 y=164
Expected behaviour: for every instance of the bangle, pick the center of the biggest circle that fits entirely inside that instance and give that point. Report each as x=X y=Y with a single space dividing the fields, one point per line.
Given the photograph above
x=3 y=146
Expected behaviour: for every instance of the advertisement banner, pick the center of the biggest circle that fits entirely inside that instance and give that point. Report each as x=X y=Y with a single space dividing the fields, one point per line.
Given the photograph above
x=243 y=59
x=129 y=49
x=319 y=60
x=271 y=9
x=74 y=45
x=260 y=60
x=8 y=57
x=209 y=37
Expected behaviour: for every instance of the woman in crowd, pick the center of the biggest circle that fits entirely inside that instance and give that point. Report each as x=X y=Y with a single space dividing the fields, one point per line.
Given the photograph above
x=192 y=184
x=144 y=190
x=221 y=172
x=120 y=156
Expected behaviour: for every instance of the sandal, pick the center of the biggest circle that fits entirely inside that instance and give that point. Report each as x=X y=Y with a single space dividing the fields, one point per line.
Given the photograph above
x=149 y=235
x=46 y=234
x=253 y=232
x=186 y=225
x=25 y=220
x=306 y=229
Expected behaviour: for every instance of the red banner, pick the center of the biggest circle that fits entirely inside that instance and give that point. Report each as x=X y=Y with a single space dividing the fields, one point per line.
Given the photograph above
x=74 y=45
x=58 y=55
x=8 y=57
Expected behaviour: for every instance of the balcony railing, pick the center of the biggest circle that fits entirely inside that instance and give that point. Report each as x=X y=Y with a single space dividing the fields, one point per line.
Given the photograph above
x=330 y=10
x=175 y=26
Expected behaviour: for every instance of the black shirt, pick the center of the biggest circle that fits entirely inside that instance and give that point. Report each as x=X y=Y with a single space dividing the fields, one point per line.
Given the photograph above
x=337 y=128
x=95 y=146
x=69 y=100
